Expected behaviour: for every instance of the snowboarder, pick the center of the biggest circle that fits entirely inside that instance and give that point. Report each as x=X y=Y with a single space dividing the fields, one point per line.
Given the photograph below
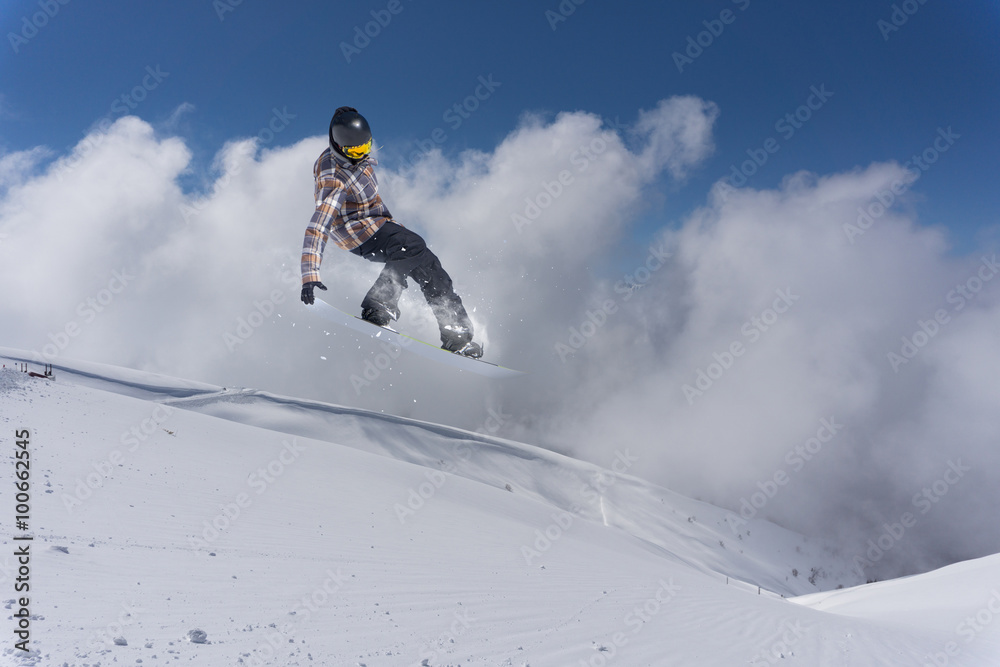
x=350 y=211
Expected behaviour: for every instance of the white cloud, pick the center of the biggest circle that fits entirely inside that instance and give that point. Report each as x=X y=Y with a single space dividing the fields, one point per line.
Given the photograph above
x=6 y=113
x=738 y=264
x=178 y=114
x=16 y=167
x=678 y=133
x=104 y=243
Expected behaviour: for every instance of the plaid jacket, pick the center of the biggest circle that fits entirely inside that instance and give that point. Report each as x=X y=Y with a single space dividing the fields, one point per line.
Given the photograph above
x=348 y=209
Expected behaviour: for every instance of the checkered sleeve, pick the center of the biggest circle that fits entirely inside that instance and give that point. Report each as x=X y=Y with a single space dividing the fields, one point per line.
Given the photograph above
x=329 y=200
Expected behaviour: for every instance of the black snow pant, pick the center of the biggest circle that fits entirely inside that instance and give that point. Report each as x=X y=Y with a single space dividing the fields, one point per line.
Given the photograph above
x=405 y=254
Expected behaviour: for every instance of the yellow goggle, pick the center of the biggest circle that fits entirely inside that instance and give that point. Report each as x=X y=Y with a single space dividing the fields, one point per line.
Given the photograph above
x=358 y=152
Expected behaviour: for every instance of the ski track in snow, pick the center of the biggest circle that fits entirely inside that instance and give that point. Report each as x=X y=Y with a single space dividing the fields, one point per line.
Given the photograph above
x=294 y=532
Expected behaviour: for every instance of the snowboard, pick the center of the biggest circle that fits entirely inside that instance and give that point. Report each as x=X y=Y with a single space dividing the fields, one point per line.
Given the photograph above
x=414 y=345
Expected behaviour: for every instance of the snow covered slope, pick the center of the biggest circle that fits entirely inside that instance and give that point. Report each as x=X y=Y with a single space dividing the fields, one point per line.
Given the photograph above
x=180 y=523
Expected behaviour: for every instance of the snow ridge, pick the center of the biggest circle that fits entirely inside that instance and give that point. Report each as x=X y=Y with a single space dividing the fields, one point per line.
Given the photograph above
x=178 y=522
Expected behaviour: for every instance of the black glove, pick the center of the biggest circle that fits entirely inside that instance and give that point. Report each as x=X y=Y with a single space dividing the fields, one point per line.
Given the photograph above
x=307 y=292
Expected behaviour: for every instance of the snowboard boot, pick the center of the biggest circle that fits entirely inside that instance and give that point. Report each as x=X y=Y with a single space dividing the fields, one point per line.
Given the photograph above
x=378 y=314
x=458 y=339
x=379 y=305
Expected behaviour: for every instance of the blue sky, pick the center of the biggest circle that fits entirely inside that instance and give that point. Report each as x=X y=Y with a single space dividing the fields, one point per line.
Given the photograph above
x=229 y=65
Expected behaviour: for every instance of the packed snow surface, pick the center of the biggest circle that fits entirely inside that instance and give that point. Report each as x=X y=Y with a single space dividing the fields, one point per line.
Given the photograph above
x=175 y=522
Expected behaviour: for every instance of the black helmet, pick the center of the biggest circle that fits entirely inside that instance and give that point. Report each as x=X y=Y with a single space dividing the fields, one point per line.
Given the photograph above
x=349 y=134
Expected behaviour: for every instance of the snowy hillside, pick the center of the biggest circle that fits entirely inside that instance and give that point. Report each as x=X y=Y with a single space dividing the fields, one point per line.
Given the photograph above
x=175 y=522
